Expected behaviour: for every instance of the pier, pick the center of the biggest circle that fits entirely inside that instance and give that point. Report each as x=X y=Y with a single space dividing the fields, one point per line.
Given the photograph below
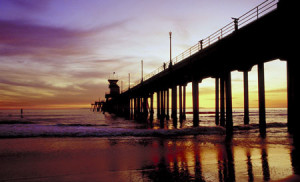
x=265 y=33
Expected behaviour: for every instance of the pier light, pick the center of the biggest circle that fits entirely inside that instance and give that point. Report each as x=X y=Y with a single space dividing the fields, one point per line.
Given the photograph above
x=170 y=34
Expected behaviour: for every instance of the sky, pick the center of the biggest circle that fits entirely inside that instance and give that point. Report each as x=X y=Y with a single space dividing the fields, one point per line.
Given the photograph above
x=60 y=53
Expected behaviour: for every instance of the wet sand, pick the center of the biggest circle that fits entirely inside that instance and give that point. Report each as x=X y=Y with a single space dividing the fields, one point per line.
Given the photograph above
x=245 y=157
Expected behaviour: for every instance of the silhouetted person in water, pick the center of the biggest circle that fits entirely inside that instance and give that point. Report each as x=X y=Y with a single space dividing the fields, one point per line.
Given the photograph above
x=21 y=112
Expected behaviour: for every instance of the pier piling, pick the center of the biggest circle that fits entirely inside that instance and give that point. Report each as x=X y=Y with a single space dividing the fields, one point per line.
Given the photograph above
x=195 y=93
x=229 y=122
x=261 y=97
x=246 y=98
x=217 y=101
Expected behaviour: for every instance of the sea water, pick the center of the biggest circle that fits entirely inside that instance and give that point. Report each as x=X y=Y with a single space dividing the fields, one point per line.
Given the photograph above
x=84 y=122
x=81 y=145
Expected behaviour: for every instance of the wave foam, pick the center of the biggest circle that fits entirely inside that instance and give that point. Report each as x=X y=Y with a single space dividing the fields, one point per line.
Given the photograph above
x=83 y=131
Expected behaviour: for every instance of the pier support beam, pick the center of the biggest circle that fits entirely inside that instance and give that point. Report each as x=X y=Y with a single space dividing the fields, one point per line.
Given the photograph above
x=180 y=104
x=151 y=107
x=168 y=107
x=163 y=105
x=145 y=107
x=246 y=97
x=139 y=108
x=135 y=108
x=293 y=96
x=261 y=97
x=162 y=108
x=229 y=122
x=184 y=101
x=222 y=101
x=174 y=102
x=217 y=102
x=195 y=93
x=127 y=108
x=131 y=108
x=158 y=103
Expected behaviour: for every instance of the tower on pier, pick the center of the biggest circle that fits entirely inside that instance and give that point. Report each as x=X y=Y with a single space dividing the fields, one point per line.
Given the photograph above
x=114 y=89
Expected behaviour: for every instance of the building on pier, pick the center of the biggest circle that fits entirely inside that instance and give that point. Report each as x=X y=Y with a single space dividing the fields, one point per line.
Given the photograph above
x=114 y=89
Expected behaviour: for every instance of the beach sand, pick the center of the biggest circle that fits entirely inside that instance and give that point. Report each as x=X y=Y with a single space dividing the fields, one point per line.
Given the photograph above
x=245 y=157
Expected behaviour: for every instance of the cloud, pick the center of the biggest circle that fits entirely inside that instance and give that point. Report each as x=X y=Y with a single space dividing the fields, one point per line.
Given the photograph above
x=19 y=37
x=23 y=38
x=31 y=5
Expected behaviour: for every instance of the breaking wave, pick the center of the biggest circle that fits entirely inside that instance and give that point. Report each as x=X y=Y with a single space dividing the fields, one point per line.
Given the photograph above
x=11 y=122
x=16 y=131
x=82 y=125
x=256 y=126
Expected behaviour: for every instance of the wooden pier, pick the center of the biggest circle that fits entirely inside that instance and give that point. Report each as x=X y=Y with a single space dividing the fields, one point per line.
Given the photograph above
x=263 y=34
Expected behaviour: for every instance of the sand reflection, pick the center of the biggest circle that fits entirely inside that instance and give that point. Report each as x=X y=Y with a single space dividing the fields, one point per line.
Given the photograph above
x=192 y=158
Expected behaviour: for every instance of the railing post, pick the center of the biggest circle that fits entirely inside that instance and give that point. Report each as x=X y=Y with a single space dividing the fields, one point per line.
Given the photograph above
x=221 y=33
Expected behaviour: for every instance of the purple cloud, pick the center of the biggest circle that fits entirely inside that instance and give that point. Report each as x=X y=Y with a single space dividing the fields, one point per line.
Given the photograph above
x=25 y=38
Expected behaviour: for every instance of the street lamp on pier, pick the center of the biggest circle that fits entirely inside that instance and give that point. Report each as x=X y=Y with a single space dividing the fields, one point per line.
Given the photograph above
x=170 y=33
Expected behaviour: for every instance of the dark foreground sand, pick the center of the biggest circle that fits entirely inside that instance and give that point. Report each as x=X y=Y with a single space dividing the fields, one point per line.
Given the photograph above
x=187 y=158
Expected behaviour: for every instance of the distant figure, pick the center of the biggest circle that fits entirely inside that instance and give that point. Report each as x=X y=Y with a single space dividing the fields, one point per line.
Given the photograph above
x=235 y=21
x=21 y=112
x=164 y=66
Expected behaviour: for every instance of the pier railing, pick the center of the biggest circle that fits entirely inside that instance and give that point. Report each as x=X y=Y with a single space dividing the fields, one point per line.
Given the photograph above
x=250 y=16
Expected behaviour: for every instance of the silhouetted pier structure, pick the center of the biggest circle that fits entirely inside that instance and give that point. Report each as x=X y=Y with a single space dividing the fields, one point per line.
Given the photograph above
x=263 y=34
x=97 y=106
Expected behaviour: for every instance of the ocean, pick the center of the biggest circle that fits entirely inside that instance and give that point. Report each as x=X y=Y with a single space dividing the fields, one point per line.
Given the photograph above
x=84 y=122
x=81 y=145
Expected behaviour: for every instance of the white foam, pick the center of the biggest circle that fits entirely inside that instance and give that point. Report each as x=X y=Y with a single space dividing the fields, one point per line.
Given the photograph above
x=85 y=131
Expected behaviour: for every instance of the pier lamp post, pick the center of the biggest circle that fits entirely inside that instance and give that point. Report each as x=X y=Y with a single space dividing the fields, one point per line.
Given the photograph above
x=128 y=81
x=142 y=67
x=170 y=33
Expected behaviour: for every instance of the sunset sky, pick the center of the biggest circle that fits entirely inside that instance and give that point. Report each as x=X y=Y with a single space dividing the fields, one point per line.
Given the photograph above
x=59 y=53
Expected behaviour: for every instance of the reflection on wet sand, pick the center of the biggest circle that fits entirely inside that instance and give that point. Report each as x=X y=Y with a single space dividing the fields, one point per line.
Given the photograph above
x=295 y=158
x=192 y=158
x=249 y=166
x=178 y=166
